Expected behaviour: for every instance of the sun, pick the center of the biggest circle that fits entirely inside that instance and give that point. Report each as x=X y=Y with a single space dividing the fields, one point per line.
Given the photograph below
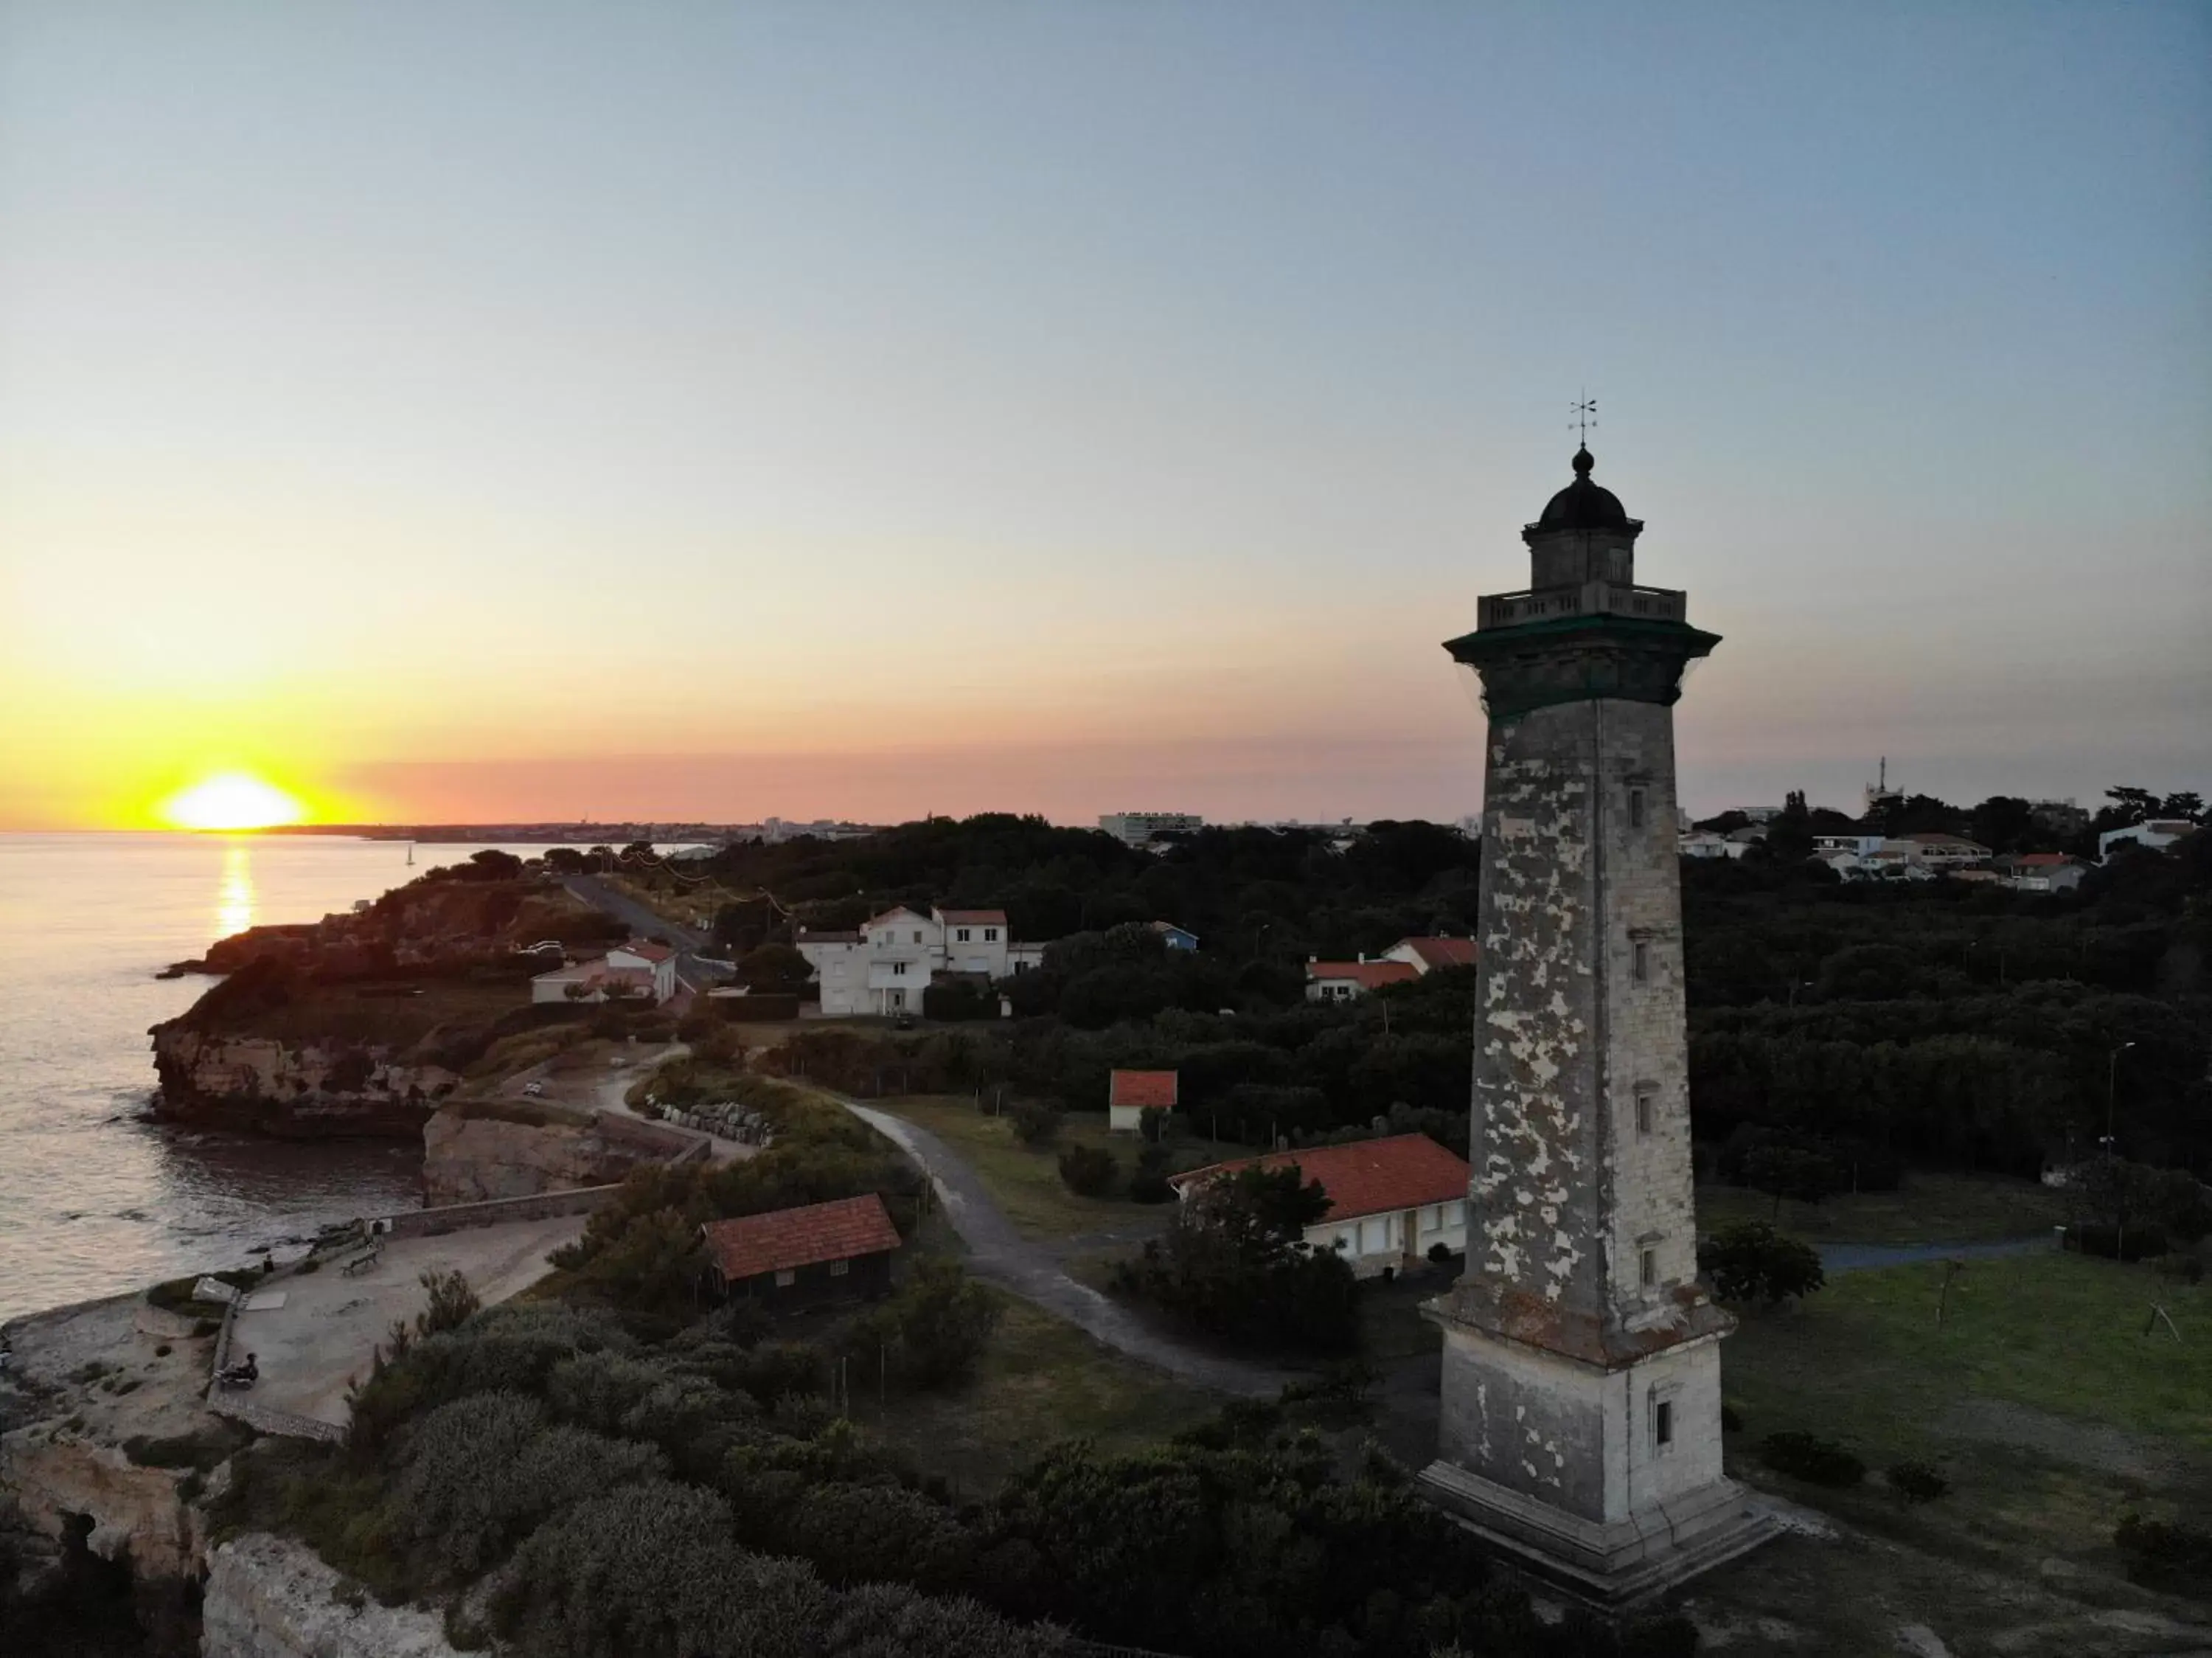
x=232 y=800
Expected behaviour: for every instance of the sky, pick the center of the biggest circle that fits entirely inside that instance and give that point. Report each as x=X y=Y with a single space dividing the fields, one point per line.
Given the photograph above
x=482 y=410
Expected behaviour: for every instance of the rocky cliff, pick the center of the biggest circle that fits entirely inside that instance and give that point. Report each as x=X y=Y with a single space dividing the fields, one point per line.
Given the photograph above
x=477 y=1149
x=304 y=1091
x=269 y=1598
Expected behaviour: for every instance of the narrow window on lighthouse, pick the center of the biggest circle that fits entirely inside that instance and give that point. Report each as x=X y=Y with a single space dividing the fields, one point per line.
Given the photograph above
x=1647 y=1266
x=1644 y=1110
x=1642 y=961
x=1663 y=1424
x=1636 y=808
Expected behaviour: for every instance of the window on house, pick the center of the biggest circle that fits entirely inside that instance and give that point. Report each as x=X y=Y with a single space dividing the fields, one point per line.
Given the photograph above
x=917 y=938
x=990 y=934
x=839 y=1269
x=1636 y=808
x=960 y=934
x=784 y=1280
x=898 y=970
x=1648 y=1267
x=1644 y=1110
x=1643 y=960
x=1663 y=1424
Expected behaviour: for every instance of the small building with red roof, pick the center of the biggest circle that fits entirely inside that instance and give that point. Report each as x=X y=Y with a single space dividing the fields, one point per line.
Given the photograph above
x=1426 y=956
x=823 y=1251
x=1391 y=1200
x=1343 y=981
x=1131 y=1094
x=637 y=969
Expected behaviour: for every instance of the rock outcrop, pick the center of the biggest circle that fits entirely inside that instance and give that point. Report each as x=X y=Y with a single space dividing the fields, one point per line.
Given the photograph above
x=308 y=1091
x=474 y=1150
x=269 y=1598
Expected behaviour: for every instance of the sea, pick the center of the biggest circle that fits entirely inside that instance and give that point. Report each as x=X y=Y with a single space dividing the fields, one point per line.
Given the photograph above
x=94 y=1200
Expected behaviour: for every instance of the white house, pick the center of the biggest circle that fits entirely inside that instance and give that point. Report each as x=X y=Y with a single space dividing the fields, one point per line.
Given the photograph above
x=2045 y=872
x=1391 y=1200
x=2157 y=834
x=636 y=969
x=883 y=968
x=1937 y=851
x=1705 y=844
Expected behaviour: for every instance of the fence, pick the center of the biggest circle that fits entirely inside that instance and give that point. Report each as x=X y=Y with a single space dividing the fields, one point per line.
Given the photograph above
x=452 y=1218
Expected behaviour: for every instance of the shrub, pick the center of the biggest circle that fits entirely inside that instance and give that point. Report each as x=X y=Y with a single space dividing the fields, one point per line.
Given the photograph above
x=1731 y=1418
x=931 y=1332
x=1149 y=1185
x=1753 y=1262
x=1916 y=1482
x=2166 y=1554
x=481 y=1474
x=877 y=1535
x=1810 y=1458
x=452 y=1302
x=1088 y=1170
x=1035 y=1121
x=1439 y=1252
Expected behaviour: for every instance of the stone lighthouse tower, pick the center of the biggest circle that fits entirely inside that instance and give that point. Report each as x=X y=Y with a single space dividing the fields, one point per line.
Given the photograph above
x=1581 y=1411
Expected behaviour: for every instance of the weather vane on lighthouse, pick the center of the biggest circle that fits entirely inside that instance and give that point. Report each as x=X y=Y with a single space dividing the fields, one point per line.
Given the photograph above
x=1585 y=413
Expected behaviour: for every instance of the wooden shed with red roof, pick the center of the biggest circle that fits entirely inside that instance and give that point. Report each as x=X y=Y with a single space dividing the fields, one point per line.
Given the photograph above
x=1131 y=1094
x=1390 y=1201
x=823 y=1251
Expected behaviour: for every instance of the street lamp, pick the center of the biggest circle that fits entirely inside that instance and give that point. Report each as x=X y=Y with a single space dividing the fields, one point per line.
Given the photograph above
x=2112 y=1080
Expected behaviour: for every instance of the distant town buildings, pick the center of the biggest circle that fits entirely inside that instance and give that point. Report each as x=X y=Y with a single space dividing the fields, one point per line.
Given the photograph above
x=1137 y=828
x=2158 y=834
x=1426 y=955
x=882 y=967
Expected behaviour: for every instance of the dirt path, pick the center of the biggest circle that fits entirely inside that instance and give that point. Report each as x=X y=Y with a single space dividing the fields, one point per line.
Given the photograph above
x=1032 y=1271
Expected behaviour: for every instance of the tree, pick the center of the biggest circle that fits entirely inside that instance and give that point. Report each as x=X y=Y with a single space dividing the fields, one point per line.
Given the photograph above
x=775 y=970
x=1789 y=834
x=1796 y=1172
x=1036 y=1122
x=2003 y=823
x=1149 y=1185
x=1753 y=1262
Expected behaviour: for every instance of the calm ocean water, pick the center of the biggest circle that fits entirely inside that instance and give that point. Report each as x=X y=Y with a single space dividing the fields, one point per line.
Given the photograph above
x=92 y=1202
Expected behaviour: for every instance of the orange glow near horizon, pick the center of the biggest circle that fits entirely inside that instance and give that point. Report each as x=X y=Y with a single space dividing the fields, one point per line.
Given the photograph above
x=231 y=800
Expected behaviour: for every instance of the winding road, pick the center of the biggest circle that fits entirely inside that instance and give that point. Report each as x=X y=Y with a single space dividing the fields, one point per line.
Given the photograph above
x=1031 y=1269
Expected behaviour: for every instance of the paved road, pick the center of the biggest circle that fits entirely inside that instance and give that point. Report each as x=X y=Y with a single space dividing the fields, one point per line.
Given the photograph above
x=1032 y=1271
x=691 y=968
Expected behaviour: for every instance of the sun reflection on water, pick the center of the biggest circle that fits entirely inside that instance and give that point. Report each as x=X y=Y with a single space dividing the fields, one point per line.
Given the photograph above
x=233 y=898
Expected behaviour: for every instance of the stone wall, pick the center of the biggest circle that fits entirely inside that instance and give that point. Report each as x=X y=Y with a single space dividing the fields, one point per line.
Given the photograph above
x=472 y=1158
x=452 y=1218
x=269 y=1598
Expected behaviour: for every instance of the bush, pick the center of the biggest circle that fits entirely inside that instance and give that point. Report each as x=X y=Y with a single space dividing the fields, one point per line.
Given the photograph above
x=1439 y=1252
x=1753 y=1262
x=1149 y=1185
x=1810 y=1458
x=1088 y=1170
x=1731 y=1418
x=452 y=1302
x=931 y=1332
x=1916 y=1482
x=1036 y=1122
x=2165 y=1554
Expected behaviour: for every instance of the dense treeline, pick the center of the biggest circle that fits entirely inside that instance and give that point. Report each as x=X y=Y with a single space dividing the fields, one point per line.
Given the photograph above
x=1944 y=1021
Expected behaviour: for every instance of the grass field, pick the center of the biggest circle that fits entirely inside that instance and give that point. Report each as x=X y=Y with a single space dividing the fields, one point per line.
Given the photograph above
x=2043 y=1403
x=1927 y=1208
x=1042 y=1381
x=1026 y=1182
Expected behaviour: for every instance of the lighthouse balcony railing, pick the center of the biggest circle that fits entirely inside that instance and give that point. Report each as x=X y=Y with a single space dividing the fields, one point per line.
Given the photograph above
x=1590 y=599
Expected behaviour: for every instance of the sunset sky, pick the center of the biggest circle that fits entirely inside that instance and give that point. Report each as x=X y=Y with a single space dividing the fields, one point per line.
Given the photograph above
x=495 y=411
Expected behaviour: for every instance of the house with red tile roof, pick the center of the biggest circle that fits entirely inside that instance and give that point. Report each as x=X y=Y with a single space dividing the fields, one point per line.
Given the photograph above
x=1131 y=1094
x=637 y=969
x=1343 y=981
x=1427 y=954
x=1391 y=1200
x=2044 y=872
x=822 y=1252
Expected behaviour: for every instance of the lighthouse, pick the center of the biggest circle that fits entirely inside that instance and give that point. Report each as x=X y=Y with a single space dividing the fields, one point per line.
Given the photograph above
x=1580 y=1421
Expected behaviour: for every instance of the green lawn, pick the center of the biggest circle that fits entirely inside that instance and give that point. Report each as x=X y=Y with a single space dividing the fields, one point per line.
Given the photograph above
x=1927 y=1208
x=1041 y=1382
x=2043 y=1403
x=1026 y=1182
